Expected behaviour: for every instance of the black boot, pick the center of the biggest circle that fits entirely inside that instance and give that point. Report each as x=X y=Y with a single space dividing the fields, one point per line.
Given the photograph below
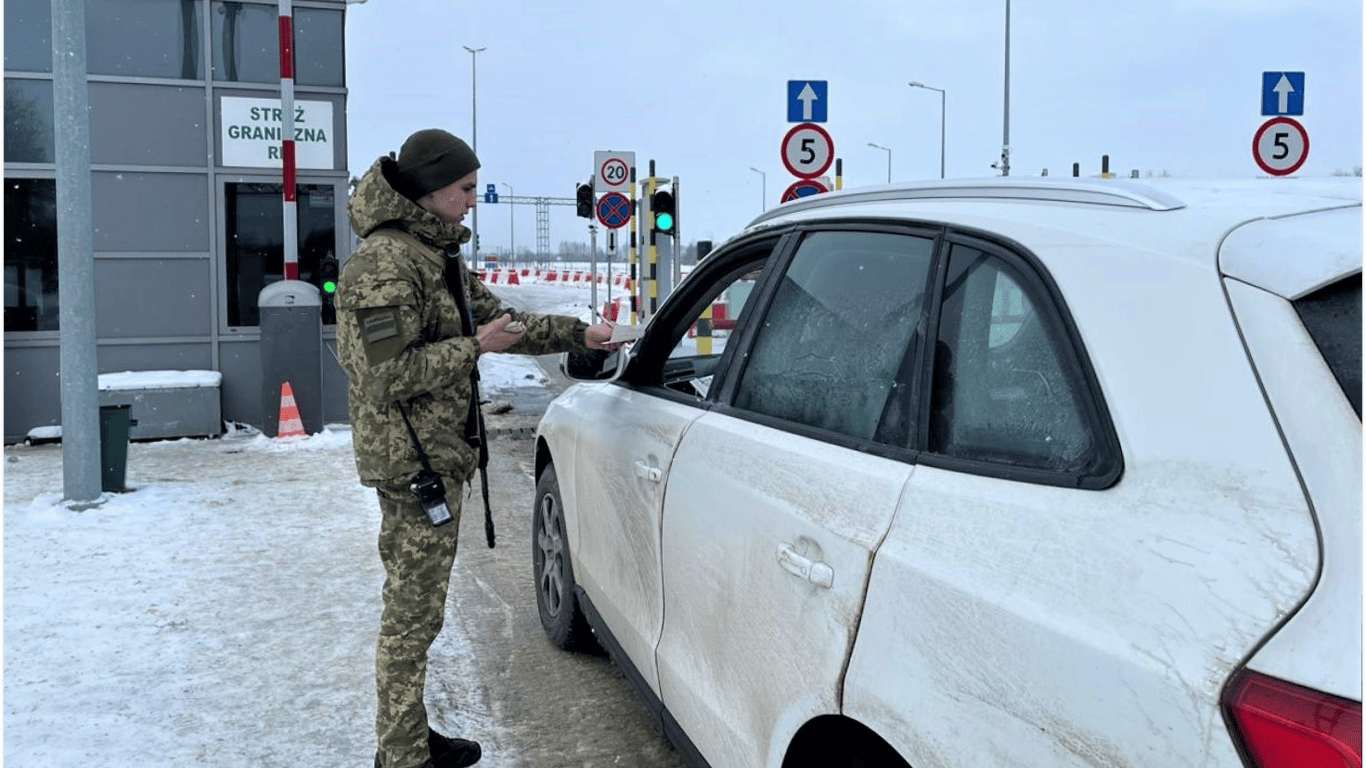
x=452 y=753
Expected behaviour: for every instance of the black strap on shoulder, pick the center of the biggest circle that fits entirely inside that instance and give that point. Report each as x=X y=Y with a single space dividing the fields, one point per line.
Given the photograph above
x=474 y=422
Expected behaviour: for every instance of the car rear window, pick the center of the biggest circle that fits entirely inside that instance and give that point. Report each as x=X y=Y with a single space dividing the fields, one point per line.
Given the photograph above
x=1332 y=316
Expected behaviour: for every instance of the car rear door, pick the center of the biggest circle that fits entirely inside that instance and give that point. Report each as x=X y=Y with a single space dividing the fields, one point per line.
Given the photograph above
x=1102 y=522
x=778 y=498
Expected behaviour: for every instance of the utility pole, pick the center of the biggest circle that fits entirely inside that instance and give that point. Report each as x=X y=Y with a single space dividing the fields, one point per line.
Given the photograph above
x=75 y=256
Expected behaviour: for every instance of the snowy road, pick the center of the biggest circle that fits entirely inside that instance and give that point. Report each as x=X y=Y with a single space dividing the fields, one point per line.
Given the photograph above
x=223 y=613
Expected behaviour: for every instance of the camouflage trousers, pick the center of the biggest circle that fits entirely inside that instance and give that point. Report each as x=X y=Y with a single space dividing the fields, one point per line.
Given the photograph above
x=417 y=560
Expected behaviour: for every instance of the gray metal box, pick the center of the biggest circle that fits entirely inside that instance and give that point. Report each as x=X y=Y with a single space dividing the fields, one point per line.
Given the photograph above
x=167 y=403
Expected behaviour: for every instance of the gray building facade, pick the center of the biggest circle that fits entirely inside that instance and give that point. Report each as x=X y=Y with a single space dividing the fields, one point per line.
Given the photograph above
x=186 y=186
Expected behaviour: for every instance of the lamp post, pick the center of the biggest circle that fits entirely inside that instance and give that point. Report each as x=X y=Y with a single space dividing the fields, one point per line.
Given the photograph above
x=918 y=84
x=1004 y=163
x=474 y=133
x=512 y=231
x=889 y=159
x=763 y=189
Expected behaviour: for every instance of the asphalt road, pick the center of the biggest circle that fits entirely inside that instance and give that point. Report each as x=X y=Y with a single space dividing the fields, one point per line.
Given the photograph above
x=493 y=663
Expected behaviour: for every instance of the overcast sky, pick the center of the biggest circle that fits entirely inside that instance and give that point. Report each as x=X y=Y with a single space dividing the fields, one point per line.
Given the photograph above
x=701 y=87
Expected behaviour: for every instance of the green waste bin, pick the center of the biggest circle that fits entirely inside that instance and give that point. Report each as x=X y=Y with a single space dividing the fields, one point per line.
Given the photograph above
x=114 y=428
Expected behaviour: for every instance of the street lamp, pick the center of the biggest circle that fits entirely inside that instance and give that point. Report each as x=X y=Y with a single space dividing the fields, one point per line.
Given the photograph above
x=889 y=159
x=512 y=231
x=1004 y=163
x=763 y=189
x=474 y=133
x=918 y=84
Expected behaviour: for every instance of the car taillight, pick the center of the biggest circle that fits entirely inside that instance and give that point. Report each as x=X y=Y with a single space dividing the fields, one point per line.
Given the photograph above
x=1283 y=725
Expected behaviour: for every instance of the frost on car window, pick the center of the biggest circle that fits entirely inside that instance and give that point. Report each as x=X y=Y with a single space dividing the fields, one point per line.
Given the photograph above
x=1001 y=389
x=831 y=344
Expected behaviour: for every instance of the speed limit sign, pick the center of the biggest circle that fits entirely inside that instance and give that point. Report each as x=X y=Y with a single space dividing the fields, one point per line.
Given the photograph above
x=808 y=150
x=612 y=171
x=1280 y=146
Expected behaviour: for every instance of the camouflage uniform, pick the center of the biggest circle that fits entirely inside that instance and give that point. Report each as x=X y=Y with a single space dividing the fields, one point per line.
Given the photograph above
x=399 y=339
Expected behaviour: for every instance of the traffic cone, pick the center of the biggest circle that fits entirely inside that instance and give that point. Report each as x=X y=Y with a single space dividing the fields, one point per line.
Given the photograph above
x=291 y=424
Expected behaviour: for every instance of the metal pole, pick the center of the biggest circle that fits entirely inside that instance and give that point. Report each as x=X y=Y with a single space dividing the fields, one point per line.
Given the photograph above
x=889 y=159
x=943 y=112
x=763 y=189
x=942 y=123
x=79 y=380
x=1005 y=135
x=290 y=179
x=474 y=135
x=512 y=231
x=593 y=271
x=677 y=240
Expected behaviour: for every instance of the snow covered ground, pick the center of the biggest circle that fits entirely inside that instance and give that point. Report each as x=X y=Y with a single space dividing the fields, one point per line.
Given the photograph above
x=164 y=627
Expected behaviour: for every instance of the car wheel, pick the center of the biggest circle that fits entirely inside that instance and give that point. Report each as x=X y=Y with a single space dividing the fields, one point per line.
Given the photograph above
x=556 y=597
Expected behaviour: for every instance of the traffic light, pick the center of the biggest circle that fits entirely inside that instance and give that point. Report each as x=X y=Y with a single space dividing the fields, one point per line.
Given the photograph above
x=662 y=206
x=327 y=278
x=328 y=271
x=583 y=196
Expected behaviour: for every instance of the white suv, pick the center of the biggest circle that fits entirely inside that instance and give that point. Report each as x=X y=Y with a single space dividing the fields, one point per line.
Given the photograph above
x=988 y=473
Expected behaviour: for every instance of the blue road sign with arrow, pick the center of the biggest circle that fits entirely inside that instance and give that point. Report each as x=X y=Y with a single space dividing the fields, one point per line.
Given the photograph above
x=1282 y=93
x=491 y=194
x=806 y=101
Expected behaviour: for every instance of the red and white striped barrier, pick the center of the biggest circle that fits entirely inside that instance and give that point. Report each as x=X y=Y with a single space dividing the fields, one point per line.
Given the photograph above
x=499 y=276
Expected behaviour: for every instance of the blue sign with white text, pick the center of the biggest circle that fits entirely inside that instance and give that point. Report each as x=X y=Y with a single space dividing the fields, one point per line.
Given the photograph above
x=1282 y=93
x=806 y=101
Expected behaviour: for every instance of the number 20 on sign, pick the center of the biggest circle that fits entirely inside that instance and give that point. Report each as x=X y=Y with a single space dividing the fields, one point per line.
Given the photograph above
x=808 y=150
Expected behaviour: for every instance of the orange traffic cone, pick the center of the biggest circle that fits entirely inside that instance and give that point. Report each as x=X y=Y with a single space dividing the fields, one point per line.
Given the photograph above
x=291 y=424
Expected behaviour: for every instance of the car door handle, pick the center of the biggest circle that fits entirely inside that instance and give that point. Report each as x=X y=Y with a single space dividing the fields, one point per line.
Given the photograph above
x=820 y=574
x=648 y=472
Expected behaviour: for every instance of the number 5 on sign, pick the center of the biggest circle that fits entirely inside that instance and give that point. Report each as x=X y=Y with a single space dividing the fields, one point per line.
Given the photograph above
x=1280 y=146
x=808 y=150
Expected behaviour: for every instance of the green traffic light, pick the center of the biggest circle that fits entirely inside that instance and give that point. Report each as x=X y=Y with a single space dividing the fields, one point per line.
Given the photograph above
x=664 y=221
x=329 y=286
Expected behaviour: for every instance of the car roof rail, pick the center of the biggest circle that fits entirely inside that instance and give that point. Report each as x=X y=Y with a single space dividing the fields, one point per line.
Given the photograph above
x=1063 y=190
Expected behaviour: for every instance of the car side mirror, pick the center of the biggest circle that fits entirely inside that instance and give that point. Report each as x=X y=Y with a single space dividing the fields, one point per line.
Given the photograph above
x=590 y=365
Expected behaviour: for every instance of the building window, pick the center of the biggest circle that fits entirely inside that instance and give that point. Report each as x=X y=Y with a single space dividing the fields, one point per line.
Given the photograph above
x=246 y=44
x=31 y=255
x=167 y=34
x=255 y=242
x=29 y=136
x=28 y=36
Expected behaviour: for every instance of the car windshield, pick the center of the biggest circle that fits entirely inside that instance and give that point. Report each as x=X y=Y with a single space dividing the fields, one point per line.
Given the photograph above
x=1332 y=316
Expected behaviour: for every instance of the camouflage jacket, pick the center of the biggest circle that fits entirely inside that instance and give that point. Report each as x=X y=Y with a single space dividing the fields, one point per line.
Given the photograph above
x=400 y=340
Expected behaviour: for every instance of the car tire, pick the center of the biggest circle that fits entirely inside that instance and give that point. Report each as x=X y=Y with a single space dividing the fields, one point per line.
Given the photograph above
x=556 y=591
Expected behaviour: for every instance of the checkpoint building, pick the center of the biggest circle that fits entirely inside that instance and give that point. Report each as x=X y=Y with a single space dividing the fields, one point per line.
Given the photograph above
x=186 y=192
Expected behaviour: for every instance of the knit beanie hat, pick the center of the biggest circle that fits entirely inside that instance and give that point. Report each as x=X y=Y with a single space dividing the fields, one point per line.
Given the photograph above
x=430 y=160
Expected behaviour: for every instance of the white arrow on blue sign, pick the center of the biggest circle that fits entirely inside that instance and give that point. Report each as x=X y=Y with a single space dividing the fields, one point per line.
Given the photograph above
x=491 y=194
x=806 y=101
x=1282 y=93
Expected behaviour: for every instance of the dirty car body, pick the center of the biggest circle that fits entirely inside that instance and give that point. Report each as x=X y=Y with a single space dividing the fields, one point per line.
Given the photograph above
x=979 y=473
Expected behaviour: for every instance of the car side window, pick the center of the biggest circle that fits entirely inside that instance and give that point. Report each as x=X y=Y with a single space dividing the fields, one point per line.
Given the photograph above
x=1002 y=388
x=698 y=351
x=828 y=352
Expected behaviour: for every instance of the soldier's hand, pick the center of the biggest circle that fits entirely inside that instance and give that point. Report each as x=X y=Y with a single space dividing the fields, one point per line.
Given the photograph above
x=495 y=337
x=599 y=337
